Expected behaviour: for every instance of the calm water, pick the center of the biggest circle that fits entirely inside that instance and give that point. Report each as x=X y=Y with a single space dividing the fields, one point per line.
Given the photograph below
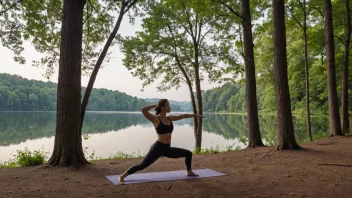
x=130 y=132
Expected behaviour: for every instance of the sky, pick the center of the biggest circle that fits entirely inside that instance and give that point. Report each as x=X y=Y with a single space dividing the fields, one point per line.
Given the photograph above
x=114 y=76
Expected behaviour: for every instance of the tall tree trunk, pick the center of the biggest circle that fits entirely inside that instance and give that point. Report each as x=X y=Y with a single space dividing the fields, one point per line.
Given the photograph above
x=195 y=119
x=193 y=100
x=309 y=131
x=68 y=141
x=199 y=97
x=101 y=59
x=254 y=137
x=335 y=126
x=345 y=121
x=286 y=136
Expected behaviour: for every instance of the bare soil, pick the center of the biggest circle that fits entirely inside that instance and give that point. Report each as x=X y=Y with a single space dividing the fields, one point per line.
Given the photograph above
x=258 y=172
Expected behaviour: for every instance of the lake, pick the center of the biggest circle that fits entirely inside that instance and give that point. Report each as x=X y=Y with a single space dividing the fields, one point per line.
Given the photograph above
x=130 y=132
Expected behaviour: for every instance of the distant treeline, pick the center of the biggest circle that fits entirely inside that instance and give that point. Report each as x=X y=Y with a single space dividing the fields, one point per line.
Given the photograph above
x=19 y=94
x=232 y=98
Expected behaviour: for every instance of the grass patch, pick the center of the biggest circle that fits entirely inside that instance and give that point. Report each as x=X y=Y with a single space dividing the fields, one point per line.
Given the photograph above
x=25 y=158
x=215 y=149
x=118 y=155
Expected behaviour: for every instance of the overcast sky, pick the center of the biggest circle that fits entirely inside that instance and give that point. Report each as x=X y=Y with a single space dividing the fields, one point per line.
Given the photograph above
x=113 y=76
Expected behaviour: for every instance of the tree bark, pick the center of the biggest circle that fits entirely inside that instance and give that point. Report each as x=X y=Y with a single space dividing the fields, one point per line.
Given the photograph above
x=345 y=120
x=195 y=119
x=335 y=126
x=309 y=131
x=68 y=141
x=286 y=136
x=193 y=100
x=199 y=96
x=254 y=137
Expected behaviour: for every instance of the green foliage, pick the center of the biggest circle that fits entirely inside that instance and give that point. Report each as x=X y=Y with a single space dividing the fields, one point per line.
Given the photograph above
x=19 y=94
x=25 y=158
x=173 y=33
x=39 y=22
x=8 y=164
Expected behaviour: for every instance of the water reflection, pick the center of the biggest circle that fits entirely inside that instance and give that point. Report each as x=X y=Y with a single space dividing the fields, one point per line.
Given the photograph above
x=16 y=127
x=111 y=132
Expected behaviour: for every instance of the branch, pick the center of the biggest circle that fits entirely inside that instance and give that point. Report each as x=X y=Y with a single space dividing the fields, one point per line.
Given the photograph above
x=340 y=39
x=293 y=16
x=182 y=24
x=90 y=3
x=320 y=12
x=188 y=19
x=303 y=7
x=200 y=32
x=173 y=39
x=331 y=164
x=201 y=40
x=130 y=5
x=242 y=53
x=228 y=7
x=12 y=6
x=90 y=14
x=164 y=53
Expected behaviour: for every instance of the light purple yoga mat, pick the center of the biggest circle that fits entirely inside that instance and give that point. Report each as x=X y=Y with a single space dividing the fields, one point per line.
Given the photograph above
x=164 y=176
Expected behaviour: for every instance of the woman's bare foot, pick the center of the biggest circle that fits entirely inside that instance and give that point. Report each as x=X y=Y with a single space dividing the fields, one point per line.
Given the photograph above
x=122 y=178
x=121 y=181
x=191 y=173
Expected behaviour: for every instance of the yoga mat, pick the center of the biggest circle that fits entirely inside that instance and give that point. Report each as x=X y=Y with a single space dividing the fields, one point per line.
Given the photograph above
x=164 y=176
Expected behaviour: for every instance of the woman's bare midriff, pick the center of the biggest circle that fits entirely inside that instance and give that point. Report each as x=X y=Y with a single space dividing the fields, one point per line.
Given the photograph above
x=164 y=138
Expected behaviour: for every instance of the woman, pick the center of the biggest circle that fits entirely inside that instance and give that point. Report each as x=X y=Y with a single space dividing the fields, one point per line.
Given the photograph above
x=164 y=127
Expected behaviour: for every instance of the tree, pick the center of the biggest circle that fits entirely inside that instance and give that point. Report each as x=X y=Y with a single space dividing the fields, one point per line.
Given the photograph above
x=303 y=7
x=125 y=6
x=159 y=51
x=173 y=46
x=335 y=126
x=39 y=23
x=345 y=119
x=286 y=136
x=68 y=141
x=254 y=137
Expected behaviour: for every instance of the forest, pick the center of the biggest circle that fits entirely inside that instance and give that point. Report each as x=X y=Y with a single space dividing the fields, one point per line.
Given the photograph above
x=284 y=56
x=19 y=94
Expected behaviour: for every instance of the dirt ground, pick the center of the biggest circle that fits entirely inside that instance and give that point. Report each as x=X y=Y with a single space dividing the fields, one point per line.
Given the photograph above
x=259 y=172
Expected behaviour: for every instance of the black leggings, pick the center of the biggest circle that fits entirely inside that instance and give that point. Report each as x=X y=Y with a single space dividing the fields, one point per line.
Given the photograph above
x=159 y=149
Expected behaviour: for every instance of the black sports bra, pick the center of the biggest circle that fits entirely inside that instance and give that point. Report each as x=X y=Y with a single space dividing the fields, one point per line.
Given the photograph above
x=163 y=128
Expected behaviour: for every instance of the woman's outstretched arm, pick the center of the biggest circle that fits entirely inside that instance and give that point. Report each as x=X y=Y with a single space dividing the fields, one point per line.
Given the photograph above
x=183 y=116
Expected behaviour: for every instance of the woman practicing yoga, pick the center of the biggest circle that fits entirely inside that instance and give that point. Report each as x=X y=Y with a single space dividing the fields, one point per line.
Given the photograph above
x=164 y=127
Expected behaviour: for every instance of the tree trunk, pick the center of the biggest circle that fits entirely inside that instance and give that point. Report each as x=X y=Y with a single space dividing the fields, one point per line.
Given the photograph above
x=194 y=106
x=100 y=61
x=254 y=137
x=309 y=131
x=195 y=119
x=199 y=97
x=345 y=121
x=68 y=141
x=335 y=126
x=286 y=136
